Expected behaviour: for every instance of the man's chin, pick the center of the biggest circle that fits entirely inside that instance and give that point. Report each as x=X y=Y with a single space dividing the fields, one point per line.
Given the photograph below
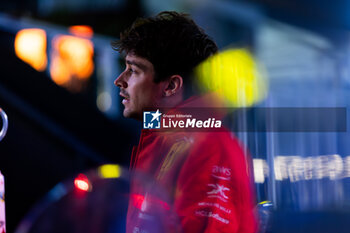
x=127 y=113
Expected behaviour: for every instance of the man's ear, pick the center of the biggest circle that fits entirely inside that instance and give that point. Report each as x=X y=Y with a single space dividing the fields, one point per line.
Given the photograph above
x=174 y=85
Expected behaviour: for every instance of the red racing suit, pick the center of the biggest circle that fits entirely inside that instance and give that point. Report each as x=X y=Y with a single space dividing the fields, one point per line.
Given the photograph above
x=205 y=177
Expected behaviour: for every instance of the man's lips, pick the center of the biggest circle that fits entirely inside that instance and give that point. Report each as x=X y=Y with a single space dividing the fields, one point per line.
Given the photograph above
x=124 y=101
x=125 y=96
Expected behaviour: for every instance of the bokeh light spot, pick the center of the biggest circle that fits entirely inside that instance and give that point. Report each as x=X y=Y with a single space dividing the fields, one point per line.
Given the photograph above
x=82 y=183
x=235 y=75
x=81 y=30
x=71 y=61
x=30 y=47
x=109 y=171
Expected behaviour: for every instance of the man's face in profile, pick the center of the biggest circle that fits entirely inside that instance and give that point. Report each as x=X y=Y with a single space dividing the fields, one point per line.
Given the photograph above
x=137 y=87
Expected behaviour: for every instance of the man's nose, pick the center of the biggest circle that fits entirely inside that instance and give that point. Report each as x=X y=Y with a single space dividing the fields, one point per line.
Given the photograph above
x=120 y=81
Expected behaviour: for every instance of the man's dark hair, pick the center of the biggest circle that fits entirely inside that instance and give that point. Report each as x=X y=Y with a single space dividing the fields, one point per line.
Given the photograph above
x=171 y=41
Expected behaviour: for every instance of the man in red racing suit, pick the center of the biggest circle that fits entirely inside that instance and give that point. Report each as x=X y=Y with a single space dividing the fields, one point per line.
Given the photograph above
x=203 y=175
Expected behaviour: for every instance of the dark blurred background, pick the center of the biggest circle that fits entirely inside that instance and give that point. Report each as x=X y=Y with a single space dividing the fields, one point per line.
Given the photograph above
x=62 y=122
x=54 y=132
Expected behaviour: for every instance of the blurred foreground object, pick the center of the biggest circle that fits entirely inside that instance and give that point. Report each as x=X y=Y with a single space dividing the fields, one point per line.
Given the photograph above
x=4 y=124
x=30 y=46
x=97 y=201
x=2 y=204
x=2 y=180
x=235 y=75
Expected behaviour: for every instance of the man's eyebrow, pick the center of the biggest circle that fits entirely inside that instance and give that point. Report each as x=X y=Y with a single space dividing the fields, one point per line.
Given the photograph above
x=139 y=65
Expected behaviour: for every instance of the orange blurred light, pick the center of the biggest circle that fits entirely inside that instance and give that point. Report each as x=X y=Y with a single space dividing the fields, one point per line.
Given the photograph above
x=81 y=30
x=30 y=46
x=60 y=73
x=82 y=183
x=72 y=60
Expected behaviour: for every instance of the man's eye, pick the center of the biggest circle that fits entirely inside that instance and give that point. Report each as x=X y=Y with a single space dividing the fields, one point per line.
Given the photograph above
x=131 y=70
